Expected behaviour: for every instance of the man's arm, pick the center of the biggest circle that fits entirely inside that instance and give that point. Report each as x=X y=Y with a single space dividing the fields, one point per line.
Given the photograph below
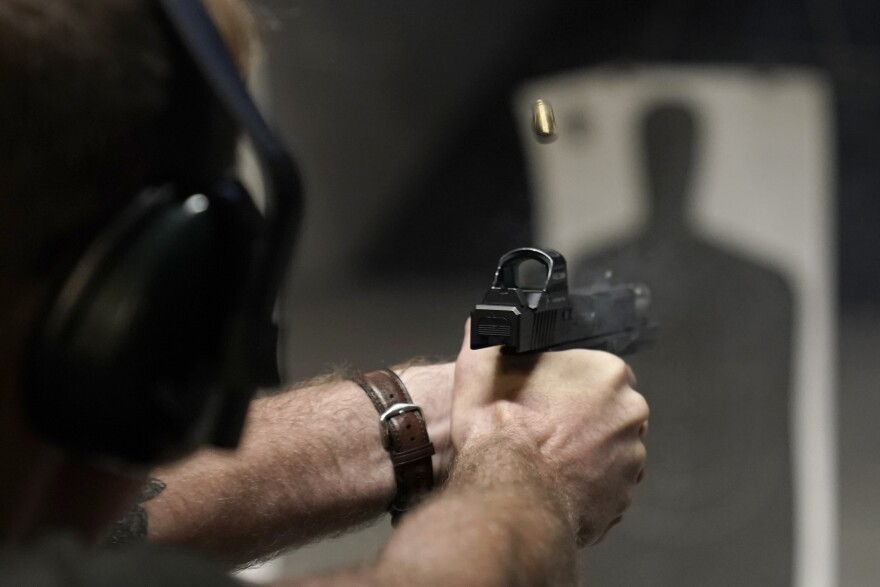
x=310 y=464
x=499 y=522
x=549 y=452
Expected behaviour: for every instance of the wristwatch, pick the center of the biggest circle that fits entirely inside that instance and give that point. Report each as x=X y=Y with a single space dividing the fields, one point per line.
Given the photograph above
x=404 y=435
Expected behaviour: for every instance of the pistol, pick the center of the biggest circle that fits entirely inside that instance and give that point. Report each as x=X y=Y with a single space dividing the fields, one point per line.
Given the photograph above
x=529 y=309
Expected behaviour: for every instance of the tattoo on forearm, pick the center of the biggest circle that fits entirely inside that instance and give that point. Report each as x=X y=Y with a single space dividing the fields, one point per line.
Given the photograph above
x=151 y=490
x=133 y=526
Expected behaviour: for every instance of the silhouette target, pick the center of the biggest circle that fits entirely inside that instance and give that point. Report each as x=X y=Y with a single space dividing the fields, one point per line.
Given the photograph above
x=715 y=507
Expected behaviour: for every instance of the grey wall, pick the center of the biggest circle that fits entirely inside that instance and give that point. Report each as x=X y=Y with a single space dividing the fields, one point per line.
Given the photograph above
x=387 y=102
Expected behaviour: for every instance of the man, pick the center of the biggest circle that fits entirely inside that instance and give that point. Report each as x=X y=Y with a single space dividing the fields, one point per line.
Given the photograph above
x=547 y=449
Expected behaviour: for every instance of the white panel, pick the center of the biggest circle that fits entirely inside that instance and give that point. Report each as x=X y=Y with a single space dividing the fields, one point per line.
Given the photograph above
x=764 y=185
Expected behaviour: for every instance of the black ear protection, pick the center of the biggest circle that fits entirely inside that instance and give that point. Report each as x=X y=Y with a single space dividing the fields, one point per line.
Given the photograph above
x=154 y=344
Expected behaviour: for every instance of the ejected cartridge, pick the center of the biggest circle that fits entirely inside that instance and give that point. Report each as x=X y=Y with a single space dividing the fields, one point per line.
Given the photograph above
x=544 y=122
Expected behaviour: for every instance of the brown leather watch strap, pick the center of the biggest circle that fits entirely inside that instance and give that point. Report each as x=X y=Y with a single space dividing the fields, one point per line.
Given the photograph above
x=404 y=436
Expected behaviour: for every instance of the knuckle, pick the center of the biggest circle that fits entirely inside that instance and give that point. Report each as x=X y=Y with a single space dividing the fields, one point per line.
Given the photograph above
x=639 y=406
x=620 y=374
x=616 y=365
x=605 y=367
x=641 y=454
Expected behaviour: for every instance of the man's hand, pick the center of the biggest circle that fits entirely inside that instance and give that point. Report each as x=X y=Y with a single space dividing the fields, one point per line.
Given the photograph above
x=549 y=452
x=548 y=448
x=577 y=410
x=430 y=386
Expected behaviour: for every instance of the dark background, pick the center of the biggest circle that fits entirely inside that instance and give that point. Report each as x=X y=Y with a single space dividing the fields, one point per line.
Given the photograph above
x=399 y=113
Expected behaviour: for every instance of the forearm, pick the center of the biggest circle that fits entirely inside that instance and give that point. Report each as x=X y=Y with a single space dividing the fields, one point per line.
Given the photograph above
x=499 y=522
x=310 y=464
x=549 y=453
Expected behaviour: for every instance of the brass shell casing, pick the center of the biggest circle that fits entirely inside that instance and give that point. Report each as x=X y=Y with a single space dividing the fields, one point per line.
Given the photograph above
x=544 y=122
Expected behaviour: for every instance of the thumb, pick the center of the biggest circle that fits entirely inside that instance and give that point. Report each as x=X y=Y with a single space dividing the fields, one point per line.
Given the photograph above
x=481 y=361
x=466 y=341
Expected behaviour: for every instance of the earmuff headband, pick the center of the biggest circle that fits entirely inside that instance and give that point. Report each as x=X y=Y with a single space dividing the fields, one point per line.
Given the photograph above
x=284 y=200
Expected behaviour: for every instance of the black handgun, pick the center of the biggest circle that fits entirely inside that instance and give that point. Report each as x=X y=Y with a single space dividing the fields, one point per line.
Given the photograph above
x=526 y=312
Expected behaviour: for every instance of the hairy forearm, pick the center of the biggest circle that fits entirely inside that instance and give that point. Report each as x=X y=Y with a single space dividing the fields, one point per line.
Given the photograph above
x=304 y=469
x=550 y=451
x=499 y=522
x=310 y=464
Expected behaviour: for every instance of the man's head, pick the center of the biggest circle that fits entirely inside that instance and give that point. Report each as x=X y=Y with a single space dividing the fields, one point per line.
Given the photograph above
x=97 y=100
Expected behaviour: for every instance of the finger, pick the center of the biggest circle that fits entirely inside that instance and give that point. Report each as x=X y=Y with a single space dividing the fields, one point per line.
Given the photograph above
x=480 y=359
x=613 y=523
x=639 y=411
x=643 y=429
x=631 y=377
x=635 y=468
x=466 y=341
x=642 y=458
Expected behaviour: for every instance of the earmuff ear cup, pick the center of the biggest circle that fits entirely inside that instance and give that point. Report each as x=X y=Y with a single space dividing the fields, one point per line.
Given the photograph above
x=127 y=361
